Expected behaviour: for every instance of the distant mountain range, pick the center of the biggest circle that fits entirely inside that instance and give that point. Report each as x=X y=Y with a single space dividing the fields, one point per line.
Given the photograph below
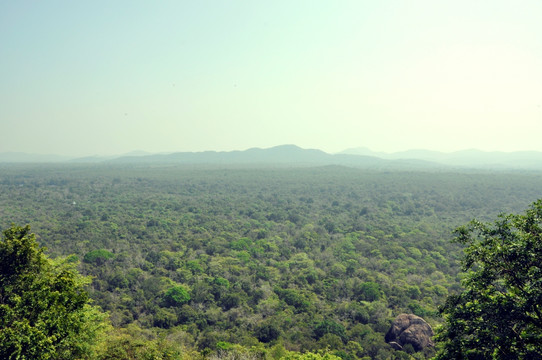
x=465 y=158
x=291 y=155
x=284 y=155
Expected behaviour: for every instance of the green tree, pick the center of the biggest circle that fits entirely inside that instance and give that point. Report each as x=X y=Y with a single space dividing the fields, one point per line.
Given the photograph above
x=176 y=296
x=370 y=291
x=267 y=332
x=499 y=314
x=98 y=257
x=44 y=308
x=329 y=327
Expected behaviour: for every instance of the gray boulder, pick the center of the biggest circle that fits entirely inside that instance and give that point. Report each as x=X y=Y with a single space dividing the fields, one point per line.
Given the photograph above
x=410 y=329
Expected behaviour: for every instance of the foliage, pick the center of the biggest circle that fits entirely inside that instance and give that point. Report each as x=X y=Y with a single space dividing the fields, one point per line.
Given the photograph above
x=44 y=308
x=329 y=327
x=370 y=291
x=133 y=343
x=98 y=256
x=499 y=315
x=267 y=332
x=311 y=356
x=266 y=254
x=176 y=296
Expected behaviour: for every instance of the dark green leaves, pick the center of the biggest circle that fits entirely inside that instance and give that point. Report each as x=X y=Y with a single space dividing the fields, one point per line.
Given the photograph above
x=44 y=311
x=19 y=254
x=499 y=314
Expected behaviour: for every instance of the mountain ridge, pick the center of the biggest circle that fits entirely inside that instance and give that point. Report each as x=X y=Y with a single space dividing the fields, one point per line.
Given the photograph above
x=293 y=155
x=468 y=158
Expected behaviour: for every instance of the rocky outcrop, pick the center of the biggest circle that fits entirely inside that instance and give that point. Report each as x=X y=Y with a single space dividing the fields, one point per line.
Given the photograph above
x=410 y=329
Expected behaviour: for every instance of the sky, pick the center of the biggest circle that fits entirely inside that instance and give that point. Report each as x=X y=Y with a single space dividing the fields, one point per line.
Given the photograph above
x=109 y=77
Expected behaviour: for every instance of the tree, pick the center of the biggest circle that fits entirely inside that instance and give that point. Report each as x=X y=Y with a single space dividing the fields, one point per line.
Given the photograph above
x=44 y=308
x=267 y=332
x=499 y=314
x=329 y=327
x=176 y=296
x=99 y=256
x=370 y=291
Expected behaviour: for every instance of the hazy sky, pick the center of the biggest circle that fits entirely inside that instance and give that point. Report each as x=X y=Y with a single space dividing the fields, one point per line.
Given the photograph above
x=108 y=77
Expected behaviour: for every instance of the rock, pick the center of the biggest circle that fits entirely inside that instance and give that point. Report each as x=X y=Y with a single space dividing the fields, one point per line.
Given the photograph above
x=410 y=329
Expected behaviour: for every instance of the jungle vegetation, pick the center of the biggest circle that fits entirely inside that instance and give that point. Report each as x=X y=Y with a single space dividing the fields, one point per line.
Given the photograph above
x=191 y=262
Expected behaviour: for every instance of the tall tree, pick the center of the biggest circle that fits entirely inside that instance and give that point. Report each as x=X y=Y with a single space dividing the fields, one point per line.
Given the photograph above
x=44 y=308
x=499 y=314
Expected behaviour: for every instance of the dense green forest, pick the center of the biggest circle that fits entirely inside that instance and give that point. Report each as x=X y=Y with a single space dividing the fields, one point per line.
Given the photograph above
x=260 y=260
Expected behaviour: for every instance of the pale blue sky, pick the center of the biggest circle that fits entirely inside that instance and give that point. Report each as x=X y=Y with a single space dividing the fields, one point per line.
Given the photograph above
x=108 y=77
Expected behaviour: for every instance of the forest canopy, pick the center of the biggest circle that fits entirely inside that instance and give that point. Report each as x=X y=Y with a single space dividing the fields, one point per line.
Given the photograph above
x=261 y=261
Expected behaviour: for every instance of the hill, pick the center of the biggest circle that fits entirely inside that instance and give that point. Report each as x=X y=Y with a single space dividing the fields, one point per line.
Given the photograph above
x=472 y=158
x=284 y=155
x=292 y=155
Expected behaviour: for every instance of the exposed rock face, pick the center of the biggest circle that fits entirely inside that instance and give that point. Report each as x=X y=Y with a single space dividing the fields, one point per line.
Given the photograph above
x=410 y=329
